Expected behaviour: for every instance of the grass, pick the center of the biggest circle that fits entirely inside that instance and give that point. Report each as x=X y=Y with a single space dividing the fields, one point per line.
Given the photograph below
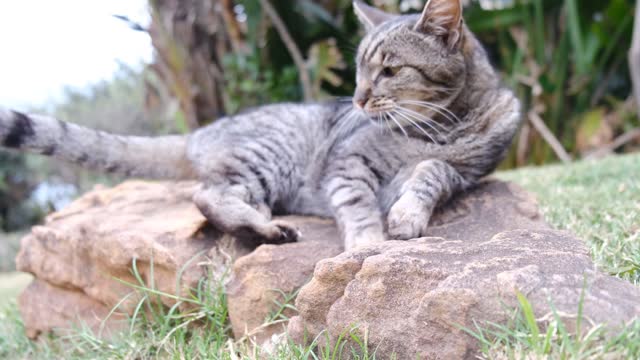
x=598 y=201
x=158 y=332
x=524 y=338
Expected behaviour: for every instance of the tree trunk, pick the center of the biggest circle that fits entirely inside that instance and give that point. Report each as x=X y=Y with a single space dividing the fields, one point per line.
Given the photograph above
x=190 y=39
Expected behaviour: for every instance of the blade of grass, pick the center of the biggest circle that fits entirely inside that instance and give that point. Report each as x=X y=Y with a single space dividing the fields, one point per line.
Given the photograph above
x=532 y=325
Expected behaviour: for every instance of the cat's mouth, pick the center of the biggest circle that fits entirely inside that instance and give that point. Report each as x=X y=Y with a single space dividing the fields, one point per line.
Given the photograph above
x=374 y=106
x=378 y=109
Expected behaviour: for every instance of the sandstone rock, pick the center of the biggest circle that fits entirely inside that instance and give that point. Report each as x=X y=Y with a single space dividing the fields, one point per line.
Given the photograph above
x=98 y=236
x=44 y=307
x=494 y=207
x=259 y=278
x=491 y=208
x=80 y=251
x=411 y=298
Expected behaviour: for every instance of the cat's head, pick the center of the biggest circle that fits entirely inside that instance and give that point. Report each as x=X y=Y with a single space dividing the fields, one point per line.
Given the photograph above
x=410 y=65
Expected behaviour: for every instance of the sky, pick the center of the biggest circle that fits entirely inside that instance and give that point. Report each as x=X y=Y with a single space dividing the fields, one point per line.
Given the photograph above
x=46 y=45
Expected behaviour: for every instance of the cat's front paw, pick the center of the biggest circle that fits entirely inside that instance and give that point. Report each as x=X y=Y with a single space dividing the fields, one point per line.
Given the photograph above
x=408 y=219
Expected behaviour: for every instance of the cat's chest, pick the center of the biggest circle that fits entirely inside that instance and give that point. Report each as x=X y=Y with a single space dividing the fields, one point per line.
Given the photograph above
x=387 y=153
x=393 y=144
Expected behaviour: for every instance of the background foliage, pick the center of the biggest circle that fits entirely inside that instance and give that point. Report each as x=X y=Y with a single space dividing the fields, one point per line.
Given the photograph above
x=567 y=61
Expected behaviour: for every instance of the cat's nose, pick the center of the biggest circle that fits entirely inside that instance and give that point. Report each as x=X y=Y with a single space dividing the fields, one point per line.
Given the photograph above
x=361 y=102
x=360 y=98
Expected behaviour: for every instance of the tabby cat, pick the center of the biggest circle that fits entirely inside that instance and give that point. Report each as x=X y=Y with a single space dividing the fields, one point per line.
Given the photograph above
x=428 y=119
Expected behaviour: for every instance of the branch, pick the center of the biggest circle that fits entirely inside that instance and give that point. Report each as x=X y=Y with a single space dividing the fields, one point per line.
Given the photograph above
x=132 y=24
x=298 y=59
x=523 y=145
x=634 y=59
x=548 y=136
x=619 y=142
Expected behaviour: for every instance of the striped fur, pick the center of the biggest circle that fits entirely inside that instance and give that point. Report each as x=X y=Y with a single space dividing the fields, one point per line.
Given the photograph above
x=162 y=157
x=429 y=118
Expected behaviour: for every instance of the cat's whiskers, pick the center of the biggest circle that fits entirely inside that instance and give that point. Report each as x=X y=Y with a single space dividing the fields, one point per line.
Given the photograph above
x=435 y=107
x=347 y=123
x=400 y=126
x=355 y=120
x=386 y=122
x=398 y=114
x=423 y=119
x=343 y=121
x=416 y=125
x=416 y=113
x=412 y=121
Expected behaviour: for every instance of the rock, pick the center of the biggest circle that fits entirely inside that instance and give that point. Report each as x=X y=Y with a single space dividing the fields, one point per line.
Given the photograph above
x=494 y=207
x=44 y=307
x=491 y=208
x=78 y=254
x=81 y=250
x=259 y=279
x=411 y=298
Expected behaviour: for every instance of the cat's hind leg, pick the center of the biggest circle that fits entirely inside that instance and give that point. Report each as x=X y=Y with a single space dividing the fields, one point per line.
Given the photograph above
x=245 y=171
x=228 y=209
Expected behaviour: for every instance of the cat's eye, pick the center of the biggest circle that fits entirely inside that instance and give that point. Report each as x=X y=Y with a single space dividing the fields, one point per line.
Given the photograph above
x=389 y=71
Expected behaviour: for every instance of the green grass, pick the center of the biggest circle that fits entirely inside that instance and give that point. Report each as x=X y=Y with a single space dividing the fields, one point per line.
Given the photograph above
x=524 y=338
x=158 y=332
x=598 y=201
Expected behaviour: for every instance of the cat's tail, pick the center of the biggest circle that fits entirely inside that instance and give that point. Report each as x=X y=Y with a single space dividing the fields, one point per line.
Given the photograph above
x=158 y=158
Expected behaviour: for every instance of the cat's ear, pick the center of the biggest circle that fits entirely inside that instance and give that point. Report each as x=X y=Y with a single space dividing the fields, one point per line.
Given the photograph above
x=369 y=16
x=442 y=18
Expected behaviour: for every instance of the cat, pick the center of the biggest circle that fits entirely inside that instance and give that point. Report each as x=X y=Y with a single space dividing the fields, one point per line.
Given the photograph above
x=428 y=119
